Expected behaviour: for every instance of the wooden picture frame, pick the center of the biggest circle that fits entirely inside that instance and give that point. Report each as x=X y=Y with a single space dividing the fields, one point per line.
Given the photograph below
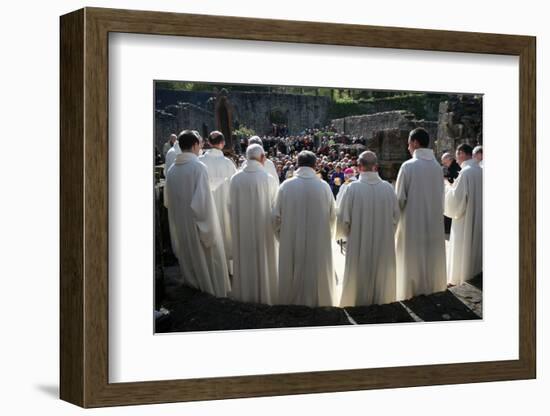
x=84 y=207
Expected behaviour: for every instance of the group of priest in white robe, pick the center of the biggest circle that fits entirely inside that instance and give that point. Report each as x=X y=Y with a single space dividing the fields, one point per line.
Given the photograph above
x=276 y=241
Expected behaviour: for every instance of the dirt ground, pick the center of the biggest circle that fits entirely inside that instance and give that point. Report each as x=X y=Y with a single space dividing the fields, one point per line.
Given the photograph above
x=192 y=310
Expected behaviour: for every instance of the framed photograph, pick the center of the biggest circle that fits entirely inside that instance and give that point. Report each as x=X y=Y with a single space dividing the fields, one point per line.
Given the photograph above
x=255 y=207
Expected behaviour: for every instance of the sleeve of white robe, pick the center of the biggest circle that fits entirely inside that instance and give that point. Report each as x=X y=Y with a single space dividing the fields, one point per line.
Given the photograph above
x=343 y=222
x=165 y=195
x=456 y=199
x=396 y=213
x=202 y=209
x=401 y=187
x=273 y=189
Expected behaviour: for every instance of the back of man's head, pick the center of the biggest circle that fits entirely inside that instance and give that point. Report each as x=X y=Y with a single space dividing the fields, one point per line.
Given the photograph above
x=216 y=138
x=465 y=148
x=187 y=139
x=255 y=140
x=420 y=136
x=255 y=152
x=367 y=161
x=307 y=159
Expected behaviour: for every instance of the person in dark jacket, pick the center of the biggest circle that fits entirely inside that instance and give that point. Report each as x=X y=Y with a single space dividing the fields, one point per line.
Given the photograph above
x=452 y=168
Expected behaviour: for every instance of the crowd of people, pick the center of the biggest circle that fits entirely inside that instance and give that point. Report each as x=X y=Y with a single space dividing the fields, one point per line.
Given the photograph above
x=325 y=143
x=261 y=230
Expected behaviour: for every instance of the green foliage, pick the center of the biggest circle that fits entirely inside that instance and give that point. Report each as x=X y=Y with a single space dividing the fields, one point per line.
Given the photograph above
x=423 y=105
x=244 y=131
x=321 y=134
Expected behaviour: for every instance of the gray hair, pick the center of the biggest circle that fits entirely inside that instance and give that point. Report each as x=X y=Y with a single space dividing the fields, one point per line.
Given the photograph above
x=447 y=156
x=368 y=160
x=255 y=140
x=307 y=159
x=254 y=152
x=477 y=149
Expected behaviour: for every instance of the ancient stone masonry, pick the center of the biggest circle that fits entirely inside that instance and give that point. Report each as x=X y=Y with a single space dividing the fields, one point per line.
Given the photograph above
x=175 y=118
x=255 y=110
x=385 y=134
x=460 y=121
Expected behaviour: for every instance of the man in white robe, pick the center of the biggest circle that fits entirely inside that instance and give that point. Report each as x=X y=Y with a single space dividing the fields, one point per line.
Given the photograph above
x=477 y=154
x=304 y=218
x=220 y=170
x=169 y=160
x=367 y=217
x=420 y=239
x=171 y=155
x=269 y=166
x=169 y=143
x=464 y=204
x=194 y=224
x=252 y=194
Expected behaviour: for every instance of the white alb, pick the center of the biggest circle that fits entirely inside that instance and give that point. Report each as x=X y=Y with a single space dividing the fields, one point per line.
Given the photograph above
x=304 y=218
x=420 y=239
x=464 y=204
x=194 y=226
x=252 y=196
x=367 y=218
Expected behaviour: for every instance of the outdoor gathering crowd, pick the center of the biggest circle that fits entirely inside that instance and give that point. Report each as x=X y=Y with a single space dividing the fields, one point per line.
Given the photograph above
x=262 y=230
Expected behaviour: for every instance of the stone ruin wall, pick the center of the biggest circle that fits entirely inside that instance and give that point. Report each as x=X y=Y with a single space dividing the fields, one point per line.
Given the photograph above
x=385 y=134
x=175 y=118
x=178 y=110
x=460 y=121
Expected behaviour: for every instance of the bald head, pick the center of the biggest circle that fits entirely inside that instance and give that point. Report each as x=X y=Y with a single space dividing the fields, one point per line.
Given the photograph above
x=368 y=161
x=255 y=152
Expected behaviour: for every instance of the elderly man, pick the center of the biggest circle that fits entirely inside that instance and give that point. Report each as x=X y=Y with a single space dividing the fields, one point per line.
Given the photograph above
x=170 y=156
x=304 y=217
x=220 y=169
x=420 y=240
x=451 y=171
x=169 y=143
x=477 y=154
x=269 y=166
x=252 y=194
x=194 y=224
x=464 y=204
x=452 y=168
x=367 y=217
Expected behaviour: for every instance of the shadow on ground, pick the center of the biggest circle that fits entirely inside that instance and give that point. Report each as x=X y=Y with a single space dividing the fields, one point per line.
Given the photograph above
x=192 y=310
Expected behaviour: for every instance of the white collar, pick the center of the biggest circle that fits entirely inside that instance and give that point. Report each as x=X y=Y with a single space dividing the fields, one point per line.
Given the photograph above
x=214 y=152
x=469 y=162
x=424 y=153
x=252 y=166
x=305 y=172
x=185 y=157
x=370 y=177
